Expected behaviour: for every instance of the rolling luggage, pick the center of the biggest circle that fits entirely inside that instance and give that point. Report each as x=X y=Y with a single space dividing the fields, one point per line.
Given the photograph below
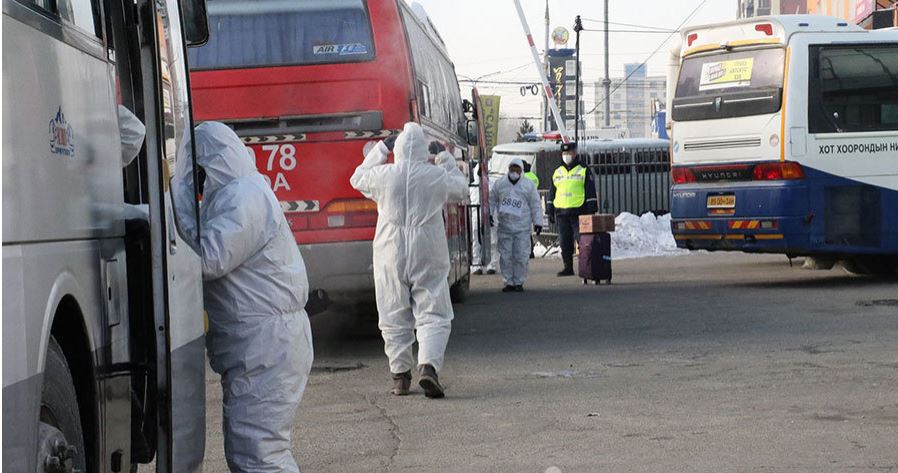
x=595 y=257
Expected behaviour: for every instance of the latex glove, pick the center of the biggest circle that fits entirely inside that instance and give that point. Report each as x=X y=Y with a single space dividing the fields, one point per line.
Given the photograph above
x=537 y=229
x=377 y=155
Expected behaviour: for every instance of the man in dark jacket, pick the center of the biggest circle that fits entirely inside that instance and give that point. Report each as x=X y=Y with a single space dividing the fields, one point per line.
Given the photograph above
x=572 y=194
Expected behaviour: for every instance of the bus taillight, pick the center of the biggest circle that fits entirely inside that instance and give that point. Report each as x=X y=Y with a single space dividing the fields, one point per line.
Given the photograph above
x=682 y=175
x=785 y=171
x=351 y=213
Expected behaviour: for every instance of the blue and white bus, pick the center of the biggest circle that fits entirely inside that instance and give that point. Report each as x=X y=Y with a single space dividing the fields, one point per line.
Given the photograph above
x=785 y=140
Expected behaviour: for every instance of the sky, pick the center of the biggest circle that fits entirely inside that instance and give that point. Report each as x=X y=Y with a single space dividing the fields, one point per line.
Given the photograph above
x=485 y=36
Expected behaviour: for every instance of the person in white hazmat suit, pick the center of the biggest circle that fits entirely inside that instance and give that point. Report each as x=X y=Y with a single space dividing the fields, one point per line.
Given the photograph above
x=411 y=255
x=516 y=205
x=255 y=291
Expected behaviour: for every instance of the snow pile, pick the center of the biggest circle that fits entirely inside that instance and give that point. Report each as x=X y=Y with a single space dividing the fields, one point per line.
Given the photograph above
x=638 y=237
x=634 y=237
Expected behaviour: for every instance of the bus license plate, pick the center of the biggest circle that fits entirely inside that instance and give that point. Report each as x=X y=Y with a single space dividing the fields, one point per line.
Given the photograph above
x=721 y=201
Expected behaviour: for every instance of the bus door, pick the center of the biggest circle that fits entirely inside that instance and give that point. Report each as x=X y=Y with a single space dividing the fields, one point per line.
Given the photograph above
x=177 y=275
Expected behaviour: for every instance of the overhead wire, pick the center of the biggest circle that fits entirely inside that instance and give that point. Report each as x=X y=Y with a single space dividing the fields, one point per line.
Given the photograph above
x=661 y=45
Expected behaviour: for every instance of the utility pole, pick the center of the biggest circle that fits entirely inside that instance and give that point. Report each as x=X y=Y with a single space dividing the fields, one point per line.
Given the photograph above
x=578 y=27
x=547 y=72
x=607 y=82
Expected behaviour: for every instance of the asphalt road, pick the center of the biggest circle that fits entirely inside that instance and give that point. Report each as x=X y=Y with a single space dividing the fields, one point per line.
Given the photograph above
x=699 y=363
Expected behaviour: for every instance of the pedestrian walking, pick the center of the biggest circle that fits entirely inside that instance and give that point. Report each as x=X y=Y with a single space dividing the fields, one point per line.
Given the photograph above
x=515 y=204
x=411 y=255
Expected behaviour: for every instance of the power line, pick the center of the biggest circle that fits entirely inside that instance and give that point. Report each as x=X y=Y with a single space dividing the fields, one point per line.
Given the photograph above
x=630 y=31
x=591 y=20
x=688 y=17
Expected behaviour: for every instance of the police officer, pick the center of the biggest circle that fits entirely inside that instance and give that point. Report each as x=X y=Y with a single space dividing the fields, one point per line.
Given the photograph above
x=572 y=194
x=529 y=174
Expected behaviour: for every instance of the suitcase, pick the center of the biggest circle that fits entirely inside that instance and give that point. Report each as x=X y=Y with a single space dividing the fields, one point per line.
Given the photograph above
x=595 y=257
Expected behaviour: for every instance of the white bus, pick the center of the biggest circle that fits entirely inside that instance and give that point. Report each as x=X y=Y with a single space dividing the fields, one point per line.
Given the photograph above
x=785 y=140
x=103 y=337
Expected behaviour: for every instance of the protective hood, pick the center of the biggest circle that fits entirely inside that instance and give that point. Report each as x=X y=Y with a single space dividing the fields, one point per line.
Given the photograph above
x=221 y=153
x=516 y=162
x=411 y=145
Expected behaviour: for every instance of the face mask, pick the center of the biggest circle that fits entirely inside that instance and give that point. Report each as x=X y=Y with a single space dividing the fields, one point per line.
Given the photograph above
x=514 y=176
x=567 y=158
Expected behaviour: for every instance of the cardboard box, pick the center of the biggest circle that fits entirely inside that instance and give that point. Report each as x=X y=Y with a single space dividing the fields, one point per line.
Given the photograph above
x=598 y=223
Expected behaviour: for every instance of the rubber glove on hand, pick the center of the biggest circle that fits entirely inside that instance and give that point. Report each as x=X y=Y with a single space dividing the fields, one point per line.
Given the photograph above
x=537 y=229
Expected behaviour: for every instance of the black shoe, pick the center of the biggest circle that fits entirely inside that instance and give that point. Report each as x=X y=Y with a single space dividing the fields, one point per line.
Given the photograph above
x=402 y=382
x=490 y=271
x=478 y=272
x=508 y=288
x=566 y=272
x=519 y=288
x=430 y=382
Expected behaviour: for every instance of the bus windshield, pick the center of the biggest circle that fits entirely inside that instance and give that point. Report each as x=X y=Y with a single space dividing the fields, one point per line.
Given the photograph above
x=751 y=79
x=266 y=33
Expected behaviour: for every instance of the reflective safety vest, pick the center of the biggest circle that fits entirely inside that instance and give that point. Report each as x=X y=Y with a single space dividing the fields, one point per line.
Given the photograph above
x=570 y=187
x=533 y=178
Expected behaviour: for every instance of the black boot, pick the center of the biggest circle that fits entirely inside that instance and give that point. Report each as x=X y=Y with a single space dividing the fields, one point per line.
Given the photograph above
x=402 y=382
x=568 y=266
x=430 y=382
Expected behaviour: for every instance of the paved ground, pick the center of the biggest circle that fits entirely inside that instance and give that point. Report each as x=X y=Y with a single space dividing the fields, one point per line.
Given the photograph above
x=702 y=363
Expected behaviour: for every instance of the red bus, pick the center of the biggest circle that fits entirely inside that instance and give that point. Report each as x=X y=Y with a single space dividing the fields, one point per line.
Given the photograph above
x=306 y=84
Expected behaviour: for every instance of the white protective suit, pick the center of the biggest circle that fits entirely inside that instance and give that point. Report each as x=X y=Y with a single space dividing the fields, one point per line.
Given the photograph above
x=255 y=291
x=132 y=132
x=516 y=209
x=411 y=255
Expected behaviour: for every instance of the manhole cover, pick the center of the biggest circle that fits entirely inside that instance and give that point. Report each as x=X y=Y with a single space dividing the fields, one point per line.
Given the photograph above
x=879 y=303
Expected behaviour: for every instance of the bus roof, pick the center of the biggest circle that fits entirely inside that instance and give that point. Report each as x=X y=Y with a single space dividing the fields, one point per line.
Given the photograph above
x=776 y=29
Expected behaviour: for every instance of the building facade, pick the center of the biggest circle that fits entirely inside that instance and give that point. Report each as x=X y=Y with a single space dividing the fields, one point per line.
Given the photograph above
x=633 y=101
x=860 y=12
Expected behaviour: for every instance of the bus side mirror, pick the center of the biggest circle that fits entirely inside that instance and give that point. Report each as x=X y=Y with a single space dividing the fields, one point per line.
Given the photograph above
x=473 y=132
x=196 y=23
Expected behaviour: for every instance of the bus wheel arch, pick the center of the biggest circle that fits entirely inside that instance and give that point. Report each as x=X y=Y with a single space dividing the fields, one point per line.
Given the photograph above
x=68 y=378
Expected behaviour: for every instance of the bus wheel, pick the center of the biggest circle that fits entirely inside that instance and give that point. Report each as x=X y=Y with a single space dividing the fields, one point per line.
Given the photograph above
x=459 y=291
x=870 y=266
x=60 y=440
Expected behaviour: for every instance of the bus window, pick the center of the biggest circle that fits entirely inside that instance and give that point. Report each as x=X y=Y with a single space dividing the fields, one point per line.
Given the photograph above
x=853 y=89
x=284 y=32
x=752 y=80
x=81 y=13
x=433 y=67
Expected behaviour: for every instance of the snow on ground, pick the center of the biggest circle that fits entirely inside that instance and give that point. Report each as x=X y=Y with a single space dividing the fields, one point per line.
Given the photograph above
x=634 y=237
x=637 y=237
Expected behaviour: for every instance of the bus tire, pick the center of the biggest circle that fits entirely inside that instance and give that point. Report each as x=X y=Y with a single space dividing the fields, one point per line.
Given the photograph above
x=458 y=292
x=870 y=266
x=60 y=436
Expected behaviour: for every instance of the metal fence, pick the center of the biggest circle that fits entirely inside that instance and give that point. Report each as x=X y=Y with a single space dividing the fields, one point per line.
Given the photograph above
x=631 y=175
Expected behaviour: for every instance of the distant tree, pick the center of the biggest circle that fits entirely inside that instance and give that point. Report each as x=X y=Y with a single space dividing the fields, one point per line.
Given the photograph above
x=526 y=127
